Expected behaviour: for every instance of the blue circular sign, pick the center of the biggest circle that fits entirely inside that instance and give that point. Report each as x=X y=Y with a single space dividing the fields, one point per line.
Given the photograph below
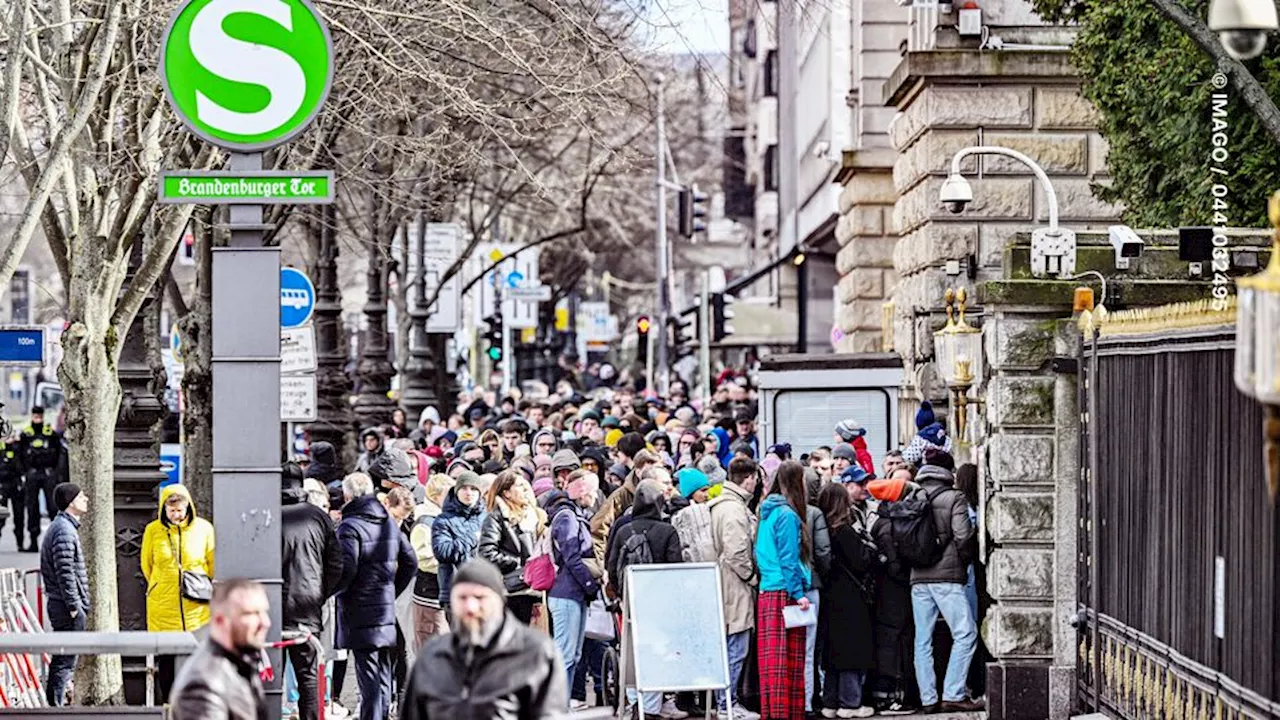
x=514 y=279
x=297 y=298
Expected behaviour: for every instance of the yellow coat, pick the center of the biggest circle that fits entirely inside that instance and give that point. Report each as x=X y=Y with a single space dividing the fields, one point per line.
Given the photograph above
x=162 y=542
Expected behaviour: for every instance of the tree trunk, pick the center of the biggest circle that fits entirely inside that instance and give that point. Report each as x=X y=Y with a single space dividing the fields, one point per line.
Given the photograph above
x=197 y=378
x=88 y=376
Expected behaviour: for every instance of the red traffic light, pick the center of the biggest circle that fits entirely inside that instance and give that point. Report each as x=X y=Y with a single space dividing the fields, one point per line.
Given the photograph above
x=642 y=325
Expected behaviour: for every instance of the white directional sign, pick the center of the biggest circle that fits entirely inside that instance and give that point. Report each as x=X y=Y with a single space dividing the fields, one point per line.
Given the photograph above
x=440 y=251
x=297 y=350
x=595 y=322
x=530 y=293
x=297 y=398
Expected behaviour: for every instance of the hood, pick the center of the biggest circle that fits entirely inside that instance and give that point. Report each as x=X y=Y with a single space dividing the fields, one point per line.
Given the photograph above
x=366 y=433
x=428 y=413
x=556 y=441
x=722 y=451
x=453 y=506
x=934 y=434
x=772 y=504
x=168 y=490
x=393 y=465
x=293 y=496
x=323 y=453
x=935 y=474
x=367 y=507
x=649 y=502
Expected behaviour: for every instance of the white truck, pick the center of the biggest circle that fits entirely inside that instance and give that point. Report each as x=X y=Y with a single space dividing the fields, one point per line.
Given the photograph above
x=803 y=397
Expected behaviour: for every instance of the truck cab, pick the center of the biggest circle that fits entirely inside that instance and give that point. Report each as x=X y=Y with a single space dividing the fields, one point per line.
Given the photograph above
x=803 y=397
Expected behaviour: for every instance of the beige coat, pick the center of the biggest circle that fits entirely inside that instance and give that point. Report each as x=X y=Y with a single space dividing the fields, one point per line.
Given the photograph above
x=733 y=527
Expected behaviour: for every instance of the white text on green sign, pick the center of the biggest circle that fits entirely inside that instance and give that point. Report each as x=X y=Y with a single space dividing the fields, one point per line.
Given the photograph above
x=267 y=187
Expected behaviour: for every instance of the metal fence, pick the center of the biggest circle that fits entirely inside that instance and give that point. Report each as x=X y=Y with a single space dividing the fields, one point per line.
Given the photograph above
x=1186 y=535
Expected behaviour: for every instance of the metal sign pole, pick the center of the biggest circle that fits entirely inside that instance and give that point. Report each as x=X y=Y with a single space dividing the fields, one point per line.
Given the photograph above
x=246 y=401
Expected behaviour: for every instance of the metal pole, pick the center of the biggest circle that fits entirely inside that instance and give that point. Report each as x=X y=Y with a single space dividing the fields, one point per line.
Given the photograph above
x=246 y=401
x=802 y=307
x=1094 y=574
x=704 y=337
x=649 y=340
x=664 y=298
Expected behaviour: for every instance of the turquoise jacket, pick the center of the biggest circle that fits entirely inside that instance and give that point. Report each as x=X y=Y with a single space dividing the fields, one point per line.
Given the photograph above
x=778 y=549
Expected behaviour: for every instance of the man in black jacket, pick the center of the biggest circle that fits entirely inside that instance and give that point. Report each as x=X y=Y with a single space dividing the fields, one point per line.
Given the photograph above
x=220 y=680
x=491 y=666
x=66 y=583
x=311 y=562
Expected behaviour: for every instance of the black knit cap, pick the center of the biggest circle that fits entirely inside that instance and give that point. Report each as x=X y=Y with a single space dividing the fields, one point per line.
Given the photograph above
x=64 y=495
x=479 y=571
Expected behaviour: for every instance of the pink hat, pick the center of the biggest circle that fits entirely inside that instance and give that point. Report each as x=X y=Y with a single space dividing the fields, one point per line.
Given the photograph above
x=540 y=460
x=583 y=486
x=543 y=486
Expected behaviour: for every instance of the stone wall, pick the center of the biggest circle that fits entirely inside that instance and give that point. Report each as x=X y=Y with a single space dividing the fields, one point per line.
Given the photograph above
x=951 y=99
x=865 y=258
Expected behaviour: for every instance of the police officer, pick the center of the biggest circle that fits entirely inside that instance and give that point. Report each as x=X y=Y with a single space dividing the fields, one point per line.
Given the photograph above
x=41 y=456
x=11 y=485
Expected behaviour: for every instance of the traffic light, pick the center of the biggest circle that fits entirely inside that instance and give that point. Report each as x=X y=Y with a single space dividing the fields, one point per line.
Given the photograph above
x=494 y=336
x=721 y=314
x=684 y=336
x=691 y=208
x=642 y=338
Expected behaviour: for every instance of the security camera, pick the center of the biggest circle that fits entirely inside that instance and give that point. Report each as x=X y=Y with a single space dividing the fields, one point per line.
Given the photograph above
x=1242 y=25
x=956 y=193
x=1126 y=243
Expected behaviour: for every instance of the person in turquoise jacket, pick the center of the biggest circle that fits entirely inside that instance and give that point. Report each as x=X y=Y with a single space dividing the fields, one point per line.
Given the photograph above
x=783 y=555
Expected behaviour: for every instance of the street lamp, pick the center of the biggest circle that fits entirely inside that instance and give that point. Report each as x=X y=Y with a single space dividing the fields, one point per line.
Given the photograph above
x=1258 y=346
x=1053 y=249
x=958 y=348
x=1242 y=25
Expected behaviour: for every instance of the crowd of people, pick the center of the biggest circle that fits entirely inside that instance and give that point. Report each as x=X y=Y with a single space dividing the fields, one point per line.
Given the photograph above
x=514 y=521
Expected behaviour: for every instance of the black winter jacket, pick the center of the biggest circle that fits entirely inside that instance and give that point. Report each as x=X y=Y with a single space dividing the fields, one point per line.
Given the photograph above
x=311 y=561
x=519 y=676
x=62 y=567
x=506 y=545
x=455 y=538
x=647 y=520
x=378 y=564
x=217 y=683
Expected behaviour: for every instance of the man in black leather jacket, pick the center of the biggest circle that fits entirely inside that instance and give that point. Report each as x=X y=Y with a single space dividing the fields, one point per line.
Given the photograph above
x=491 y=666
x=220 y=680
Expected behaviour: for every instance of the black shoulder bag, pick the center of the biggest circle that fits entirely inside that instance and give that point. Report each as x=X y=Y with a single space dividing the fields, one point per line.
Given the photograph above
x=195 y=585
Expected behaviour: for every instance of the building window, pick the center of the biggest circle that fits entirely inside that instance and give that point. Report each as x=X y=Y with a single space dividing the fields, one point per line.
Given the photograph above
x=771 y=168
x=749 y=39
x=771 y=74
x=20 y=298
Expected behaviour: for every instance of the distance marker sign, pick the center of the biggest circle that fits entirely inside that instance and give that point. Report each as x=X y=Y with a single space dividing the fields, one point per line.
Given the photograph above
x=246 y=75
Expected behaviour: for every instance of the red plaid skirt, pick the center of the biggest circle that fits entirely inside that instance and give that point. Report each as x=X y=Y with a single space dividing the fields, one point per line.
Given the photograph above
x=781 y=656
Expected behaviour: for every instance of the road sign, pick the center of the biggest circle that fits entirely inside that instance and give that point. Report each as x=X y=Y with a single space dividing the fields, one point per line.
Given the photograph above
x=297 y=398
x=297 y=298
x=439 y=254
x=171 y=463
x=531 y=293
x=297 y=350
x=175 y=343
x=597 y=325
x=247 y=188
x=515 y=279
x=246 y=76
x=21 y=345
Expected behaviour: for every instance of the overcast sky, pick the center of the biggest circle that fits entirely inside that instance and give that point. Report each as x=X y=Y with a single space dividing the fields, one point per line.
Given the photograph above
x=685 y=26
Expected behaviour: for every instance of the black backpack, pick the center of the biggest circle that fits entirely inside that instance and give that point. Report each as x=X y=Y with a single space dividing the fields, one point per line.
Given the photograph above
x=914 y=531
x=634 y=551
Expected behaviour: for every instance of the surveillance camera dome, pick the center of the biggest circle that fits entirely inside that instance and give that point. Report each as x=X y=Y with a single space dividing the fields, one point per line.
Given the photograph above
x=956 y=193
x=1244 y=44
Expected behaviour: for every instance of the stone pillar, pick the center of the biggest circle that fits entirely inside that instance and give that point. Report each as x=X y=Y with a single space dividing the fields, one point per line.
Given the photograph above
x=865 y=260
x=137 y=470
x=1029 y=507
x=333 y=412
x=373 y=407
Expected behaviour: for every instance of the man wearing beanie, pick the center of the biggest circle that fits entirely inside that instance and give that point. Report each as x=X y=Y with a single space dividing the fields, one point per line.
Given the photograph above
x=66 y=582
x=455 y=534
x=518 y=667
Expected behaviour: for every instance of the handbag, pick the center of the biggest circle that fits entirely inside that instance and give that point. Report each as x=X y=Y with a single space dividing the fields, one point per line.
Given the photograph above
x=540 y=572
x=194 y=585
x=599 y=625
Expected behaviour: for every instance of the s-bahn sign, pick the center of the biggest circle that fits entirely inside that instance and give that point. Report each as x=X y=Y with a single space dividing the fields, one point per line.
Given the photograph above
x=246 y=75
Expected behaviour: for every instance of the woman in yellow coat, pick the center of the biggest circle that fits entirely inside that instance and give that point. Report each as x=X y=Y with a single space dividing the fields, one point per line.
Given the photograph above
x=176 y=541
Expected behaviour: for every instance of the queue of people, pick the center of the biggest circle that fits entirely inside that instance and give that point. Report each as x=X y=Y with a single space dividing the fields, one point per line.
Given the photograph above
x=515 y=521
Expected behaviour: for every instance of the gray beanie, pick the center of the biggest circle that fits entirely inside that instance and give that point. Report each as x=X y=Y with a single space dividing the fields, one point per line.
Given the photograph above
x=479 y=571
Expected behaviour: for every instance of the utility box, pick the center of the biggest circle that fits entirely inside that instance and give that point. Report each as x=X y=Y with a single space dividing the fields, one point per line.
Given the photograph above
x=804 y=397
x=970 y=22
